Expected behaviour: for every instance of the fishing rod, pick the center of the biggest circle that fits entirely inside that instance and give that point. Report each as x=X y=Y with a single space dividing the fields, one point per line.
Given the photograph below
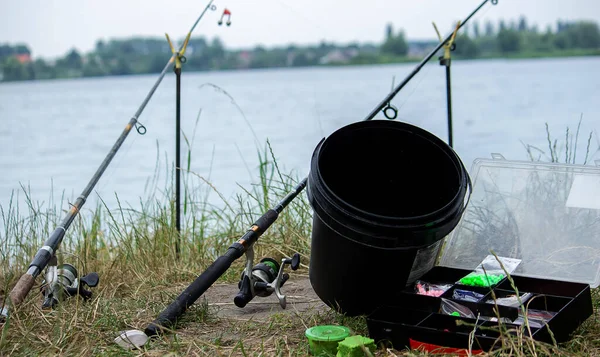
x=251 y=285
x=245 y=245
x=44 y=256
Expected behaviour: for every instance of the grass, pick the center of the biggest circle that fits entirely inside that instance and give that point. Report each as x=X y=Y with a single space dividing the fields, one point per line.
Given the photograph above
x=133 y=252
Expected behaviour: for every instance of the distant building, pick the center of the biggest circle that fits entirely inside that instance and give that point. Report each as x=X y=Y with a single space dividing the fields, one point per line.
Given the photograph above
x=23 y=58
x=339 y=56
x=420 y=48
x=244 y=58
x=289 y=61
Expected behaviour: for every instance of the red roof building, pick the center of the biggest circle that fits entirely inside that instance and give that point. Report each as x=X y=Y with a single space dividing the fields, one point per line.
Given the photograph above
x=23 y=58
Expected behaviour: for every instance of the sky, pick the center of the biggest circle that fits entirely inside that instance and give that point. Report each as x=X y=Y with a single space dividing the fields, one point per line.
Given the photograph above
x=52 y=27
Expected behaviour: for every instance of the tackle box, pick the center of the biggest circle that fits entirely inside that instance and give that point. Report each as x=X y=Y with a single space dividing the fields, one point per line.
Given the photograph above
x=547 y=216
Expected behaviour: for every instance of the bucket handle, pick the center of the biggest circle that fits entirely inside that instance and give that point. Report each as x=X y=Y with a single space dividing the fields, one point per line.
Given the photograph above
x=469 y=187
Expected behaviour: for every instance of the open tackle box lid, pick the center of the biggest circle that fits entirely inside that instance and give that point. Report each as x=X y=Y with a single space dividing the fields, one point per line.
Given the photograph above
x=545 y=214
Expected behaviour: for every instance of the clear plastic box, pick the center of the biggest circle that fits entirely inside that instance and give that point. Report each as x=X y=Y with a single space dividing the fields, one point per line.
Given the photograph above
x=546 y=214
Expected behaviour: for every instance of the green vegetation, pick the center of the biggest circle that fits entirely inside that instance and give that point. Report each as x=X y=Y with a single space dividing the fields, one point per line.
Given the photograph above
x=149 y=55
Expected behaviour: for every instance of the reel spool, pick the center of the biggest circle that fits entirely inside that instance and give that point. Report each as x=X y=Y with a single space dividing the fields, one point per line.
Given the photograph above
x=62 y=281
x=264 y=279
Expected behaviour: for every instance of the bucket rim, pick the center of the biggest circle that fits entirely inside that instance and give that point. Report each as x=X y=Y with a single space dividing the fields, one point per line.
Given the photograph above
x=445 y=148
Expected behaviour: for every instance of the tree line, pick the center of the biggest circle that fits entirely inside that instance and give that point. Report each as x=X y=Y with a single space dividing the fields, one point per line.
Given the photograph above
x=149 y=55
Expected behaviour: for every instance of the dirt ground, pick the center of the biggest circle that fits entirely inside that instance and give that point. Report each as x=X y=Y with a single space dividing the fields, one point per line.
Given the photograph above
x=263 y=326
x=300 y=297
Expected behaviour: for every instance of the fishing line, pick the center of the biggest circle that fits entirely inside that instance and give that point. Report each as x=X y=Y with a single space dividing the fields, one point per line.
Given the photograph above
x=115 y=167
x=427 y=70
x=224 y=92
x=416 y=86
x=243 y=159
x=232 y=100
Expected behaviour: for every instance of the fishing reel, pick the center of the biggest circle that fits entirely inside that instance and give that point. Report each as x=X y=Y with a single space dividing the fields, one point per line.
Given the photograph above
x=264 y=278
x=62 y=281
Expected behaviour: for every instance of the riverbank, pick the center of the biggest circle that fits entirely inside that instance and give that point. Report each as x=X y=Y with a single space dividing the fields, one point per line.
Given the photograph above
x=356 y=61
x=134 y=253
x=519 y=55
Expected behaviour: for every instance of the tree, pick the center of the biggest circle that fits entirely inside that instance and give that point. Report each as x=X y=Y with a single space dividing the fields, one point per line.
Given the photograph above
x=501 y=25
x=100 y=46
x=126 y=48
x=93 y=68
x=217 y=50
x=562 y=41
x=583 y=34
x=301 y=60
x=389 y=31
x=509 y=41
x=522 y=24
x=589 y=35
x=353 y=46
x=14 y=71
x=5 y=51
x=73 y=59
x=475 y=29
x=395 y=45
x=157 y=63
x=196 y=44
x=489 y=28
x=466 y=47
x=43 y=70
x=122 y=67
x=534 y=29
x=21 y=49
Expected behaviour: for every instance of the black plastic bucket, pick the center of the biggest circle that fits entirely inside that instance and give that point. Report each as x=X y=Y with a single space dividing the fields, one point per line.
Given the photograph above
x=384 y=194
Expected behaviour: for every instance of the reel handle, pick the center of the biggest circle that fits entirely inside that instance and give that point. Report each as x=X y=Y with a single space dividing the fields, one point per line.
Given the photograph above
x=244 y=296
x=85 y=294
x=91 y=280
x=294 y=262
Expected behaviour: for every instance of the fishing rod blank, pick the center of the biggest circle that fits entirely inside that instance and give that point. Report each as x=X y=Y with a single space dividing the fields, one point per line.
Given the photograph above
x=169 y=316
x=43 y=256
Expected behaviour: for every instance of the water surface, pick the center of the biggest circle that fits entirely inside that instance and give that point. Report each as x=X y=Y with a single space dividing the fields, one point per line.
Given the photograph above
x=55 y=134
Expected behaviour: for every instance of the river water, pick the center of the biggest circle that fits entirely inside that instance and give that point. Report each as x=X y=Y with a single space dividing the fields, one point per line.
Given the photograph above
x=55 y=134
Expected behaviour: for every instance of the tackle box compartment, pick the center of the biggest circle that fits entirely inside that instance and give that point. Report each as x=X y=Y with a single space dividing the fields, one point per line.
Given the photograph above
x=546 y=215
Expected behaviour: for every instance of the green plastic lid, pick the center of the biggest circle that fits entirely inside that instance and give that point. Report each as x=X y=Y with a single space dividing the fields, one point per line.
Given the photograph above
x=327 y=333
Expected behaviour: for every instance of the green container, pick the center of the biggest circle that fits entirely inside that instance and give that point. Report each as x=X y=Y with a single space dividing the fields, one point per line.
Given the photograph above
x=323 y=340
x=352 y=346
